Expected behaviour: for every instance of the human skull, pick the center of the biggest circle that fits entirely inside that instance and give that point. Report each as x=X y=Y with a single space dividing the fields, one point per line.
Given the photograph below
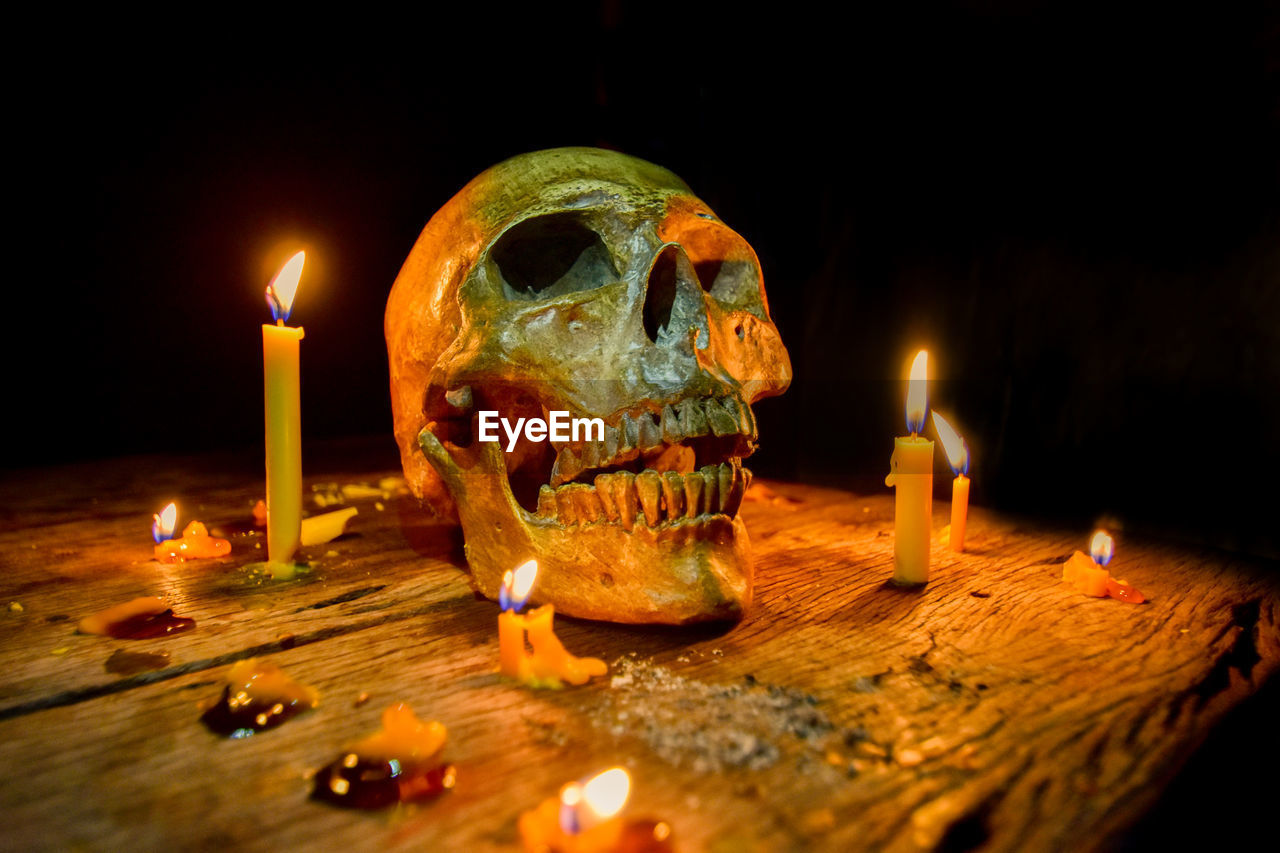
x=593 y=283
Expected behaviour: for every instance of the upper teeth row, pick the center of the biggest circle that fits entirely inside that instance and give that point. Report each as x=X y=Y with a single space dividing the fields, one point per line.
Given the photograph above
x=646 y=430
x=655 y=497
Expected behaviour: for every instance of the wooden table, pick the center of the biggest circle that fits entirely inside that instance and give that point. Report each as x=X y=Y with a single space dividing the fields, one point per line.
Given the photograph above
x=994 y=708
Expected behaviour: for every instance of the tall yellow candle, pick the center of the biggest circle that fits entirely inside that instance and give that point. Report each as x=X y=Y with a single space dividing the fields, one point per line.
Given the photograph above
x=911 y=475
x=957 y=451
x=283 y=416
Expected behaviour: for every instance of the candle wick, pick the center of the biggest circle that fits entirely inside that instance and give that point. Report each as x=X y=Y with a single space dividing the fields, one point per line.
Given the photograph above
x=279 y=322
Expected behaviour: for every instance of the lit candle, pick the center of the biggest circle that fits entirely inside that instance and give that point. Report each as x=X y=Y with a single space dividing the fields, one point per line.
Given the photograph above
x=195 y=542
x=1088 y=573
x=585 y=818
x=1102 y=548
x=911 y=474
x=550 y=663
x=283 y=416
x=958 y=458
x=516 y=586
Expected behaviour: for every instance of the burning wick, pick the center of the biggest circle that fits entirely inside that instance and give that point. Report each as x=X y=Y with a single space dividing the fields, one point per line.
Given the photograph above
x=1102 y=547
x=957 y=450
x=550 y=664
x=516 y=586
x=164 y=522
x=917 y=392
x=583 y=806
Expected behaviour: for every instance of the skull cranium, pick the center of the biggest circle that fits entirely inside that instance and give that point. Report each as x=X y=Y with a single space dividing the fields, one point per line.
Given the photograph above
x=590 y=282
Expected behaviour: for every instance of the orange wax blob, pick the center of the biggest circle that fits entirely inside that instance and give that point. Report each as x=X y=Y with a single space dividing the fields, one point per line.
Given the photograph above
x=1124 y=592
x=140 y=619
x=398 y=764
x=550 y=660
x=1088 y=577
x=257 y=696
x=550 y=664
x=194 y=544
x=260 y=514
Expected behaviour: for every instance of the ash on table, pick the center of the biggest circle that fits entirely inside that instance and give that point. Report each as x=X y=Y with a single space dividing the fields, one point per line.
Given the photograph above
x=711 y=727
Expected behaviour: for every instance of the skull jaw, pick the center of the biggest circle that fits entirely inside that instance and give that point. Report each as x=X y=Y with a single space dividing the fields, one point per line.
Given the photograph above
x=694 y=571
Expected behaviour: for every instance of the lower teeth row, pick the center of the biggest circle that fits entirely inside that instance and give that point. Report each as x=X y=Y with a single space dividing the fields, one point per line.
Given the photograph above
x=653 y=496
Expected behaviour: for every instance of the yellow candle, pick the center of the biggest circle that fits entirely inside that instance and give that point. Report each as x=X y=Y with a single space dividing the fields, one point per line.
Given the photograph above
x=911 y=475
x=958 y=457
x=283 y=416
x=513 y=660
x=959 y=511
x=550 y=664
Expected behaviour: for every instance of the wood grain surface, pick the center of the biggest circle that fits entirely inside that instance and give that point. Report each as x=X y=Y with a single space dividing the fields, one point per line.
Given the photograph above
x=993 y=709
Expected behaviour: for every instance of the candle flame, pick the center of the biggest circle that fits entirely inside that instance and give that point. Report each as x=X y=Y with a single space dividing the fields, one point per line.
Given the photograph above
x=918 y=392
x=284 y=286
x=1102 y=548
x=956 y=447
x=516 y=586
x=587 y=804
x=606 y=794
x=164 y=522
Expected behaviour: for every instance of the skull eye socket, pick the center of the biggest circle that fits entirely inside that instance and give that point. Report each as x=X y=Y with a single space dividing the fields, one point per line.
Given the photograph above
x=549 y=256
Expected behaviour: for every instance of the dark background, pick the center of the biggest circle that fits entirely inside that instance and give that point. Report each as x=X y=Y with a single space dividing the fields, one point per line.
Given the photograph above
x=1076 y=210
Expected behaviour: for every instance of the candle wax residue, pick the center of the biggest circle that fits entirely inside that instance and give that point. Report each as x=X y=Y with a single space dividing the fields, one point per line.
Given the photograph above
x=124 y=662
x=398 y=764
x=645 y=835
x=540 y=831
x=257 y=696
x=1124 y=592
x=374 y=783
x=140 y=619
x=195 y=543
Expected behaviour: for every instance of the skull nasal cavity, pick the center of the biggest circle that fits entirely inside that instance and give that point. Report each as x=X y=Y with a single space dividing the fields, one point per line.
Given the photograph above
x=660 y=298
